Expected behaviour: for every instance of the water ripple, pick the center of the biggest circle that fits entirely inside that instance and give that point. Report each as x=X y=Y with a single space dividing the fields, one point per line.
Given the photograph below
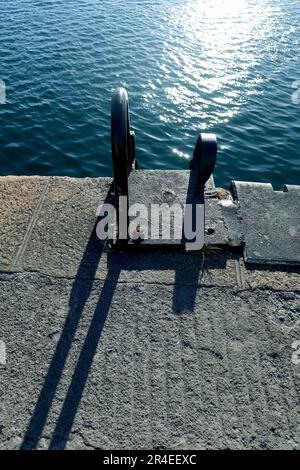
x=189 y=66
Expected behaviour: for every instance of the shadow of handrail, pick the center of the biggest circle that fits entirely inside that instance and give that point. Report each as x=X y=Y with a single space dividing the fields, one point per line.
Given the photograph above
x=81 y=289
x=187 y=269
x=84 y=363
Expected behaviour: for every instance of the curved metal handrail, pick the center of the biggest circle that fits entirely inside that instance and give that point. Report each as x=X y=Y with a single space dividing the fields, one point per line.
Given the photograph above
x=204 y=158
x=123 y=148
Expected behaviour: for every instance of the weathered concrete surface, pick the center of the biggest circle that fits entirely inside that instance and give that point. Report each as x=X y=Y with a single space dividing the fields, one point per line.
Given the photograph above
x=162 y=373
x=173 y=187
x=64 y=224
x=139 y=350
x=270 y=222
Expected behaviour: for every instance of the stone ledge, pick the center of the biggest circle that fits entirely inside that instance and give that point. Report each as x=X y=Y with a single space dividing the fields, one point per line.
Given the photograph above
x=270 y=222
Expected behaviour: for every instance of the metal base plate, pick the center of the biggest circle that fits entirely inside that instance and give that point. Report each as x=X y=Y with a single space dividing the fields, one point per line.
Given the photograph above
x=151 y=188
x=222 y=227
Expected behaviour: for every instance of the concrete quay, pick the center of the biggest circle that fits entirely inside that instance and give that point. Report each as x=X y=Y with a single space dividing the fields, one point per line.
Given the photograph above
x=151 y=349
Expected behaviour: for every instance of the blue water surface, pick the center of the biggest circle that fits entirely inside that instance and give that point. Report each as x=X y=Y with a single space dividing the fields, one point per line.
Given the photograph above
x=223 y=66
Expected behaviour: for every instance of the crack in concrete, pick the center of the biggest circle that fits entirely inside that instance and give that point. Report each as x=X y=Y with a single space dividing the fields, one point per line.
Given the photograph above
x=236 y=287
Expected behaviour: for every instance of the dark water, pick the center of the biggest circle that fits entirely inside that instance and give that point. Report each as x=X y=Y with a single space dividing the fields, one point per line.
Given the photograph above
x=189 y=65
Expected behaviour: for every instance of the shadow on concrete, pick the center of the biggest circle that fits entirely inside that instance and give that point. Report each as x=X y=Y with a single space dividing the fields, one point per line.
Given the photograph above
x=80 y=293
x=187 y=269
x=183 y=302
x=84 y=363
x=273 y=268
